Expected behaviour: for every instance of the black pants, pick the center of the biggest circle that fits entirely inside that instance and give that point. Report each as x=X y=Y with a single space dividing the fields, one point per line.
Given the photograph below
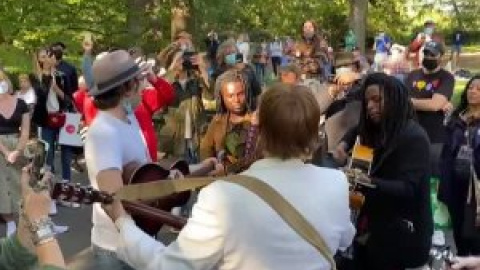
x=456 y=207
x=276 y=62
x=435 y=153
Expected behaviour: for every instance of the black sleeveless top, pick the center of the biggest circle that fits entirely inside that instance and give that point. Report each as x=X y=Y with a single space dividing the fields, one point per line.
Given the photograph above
x=12 y=125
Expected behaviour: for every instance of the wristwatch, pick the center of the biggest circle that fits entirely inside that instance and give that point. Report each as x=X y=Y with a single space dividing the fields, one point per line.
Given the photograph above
x=42 y=231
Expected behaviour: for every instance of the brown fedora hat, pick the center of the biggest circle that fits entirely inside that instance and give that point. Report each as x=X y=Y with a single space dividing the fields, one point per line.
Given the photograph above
x=112 y=70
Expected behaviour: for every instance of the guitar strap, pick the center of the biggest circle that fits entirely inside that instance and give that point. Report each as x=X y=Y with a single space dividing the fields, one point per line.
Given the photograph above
x=287 y=211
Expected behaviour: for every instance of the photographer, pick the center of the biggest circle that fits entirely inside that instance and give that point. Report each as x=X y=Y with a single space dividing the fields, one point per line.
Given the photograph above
x=185 y=118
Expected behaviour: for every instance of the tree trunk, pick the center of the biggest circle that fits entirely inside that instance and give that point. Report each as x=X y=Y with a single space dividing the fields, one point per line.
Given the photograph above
x=182 y=11
x=458 y=14
x=358 y=21
x=136 y=19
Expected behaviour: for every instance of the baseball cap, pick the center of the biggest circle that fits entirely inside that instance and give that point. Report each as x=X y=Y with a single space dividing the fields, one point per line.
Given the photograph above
x=434 y=49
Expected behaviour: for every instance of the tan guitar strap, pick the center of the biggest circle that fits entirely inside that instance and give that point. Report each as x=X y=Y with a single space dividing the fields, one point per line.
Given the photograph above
x=287 y=211
x=276 y=201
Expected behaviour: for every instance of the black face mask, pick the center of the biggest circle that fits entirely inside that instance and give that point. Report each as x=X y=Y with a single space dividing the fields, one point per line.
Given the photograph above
x=430 y=64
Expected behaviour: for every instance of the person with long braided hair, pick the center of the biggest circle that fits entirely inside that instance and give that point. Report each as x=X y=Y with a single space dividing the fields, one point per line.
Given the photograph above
x=395 y=224
x=231 y=135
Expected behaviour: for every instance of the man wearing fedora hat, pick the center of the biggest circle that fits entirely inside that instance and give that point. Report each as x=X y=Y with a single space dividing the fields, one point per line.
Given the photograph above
x=114 y=139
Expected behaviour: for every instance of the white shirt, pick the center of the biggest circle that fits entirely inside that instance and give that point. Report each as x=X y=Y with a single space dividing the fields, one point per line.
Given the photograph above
x=111 y=144
x=233 y=229
x=244 y=49
x=29 y=97
x=276 y=49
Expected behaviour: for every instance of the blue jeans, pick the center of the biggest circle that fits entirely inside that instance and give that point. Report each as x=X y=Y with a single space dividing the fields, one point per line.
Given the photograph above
x=260 y=72
x=106 y=259
x=50 y=136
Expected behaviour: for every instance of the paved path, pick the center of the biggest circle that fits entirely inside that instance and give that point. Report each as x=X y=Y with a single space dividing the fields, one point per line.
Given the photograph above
x=79 y=221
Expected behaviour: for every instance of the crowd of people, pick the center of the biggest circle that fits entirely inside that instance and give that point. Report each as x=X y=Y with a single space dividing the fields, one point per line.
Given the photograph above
x=296 y=135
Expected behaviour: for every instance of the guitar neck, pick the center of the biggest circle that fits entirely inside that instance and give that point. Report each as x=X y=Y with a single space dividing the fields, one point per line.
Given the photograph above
x=155 y=214
x=198 y=170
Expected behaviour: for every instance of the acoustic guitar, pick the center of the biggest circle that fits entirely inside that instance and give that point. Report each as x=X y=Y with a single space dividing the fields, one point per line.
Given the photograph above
x=357 y=172
x=149 y=215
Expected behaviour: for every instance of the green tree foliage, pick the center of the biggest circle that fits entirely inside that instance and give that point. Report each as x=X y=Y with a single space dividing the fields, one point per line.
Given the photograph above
x=28 y=24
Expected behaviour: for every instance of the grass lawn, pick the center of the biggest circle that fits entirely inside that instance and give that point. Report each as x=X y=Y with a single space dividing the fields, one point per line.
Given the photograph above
x=459 y=88
x=471 y=48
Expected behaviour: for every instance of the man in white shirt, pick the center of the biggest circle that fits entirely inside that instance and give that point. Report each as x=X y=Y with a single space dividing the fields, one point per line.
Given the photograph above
x=244 y=47
x=113 y=140
x=276 y=54
x=233 y=229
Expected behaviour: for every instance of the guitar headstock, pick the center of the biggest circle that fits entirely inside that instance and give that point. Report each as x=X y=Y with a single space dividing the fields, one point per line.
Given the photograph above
x=79 y=194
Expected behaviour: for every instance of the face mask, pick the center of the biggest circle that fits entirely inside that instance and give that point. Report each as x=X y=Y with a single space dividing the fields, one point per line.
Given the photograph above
x=430 y=64
x=429 y=30
x=3 y=87
x=135 y=100
x=183 y=47
x=127 y=106
x=309 y=35
x=231 y=59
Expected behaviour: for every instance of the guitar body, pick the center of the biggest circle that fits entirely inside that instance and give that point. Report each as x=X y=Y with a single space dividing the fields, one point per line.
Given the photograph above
x=138 y=174
x=360 y=163
x=149 y=215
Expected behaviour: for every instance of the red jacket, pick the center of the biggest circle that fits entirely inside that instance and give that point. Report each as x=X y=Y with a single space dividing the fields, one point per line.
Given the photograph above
x=153 y=99
x=84 y=105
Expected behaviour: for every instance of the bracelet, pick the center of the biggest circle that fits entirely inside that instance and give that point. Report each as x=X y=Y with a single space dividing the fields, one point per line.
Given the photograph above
x=45 y=240
x=34 y=226
x=42 y=231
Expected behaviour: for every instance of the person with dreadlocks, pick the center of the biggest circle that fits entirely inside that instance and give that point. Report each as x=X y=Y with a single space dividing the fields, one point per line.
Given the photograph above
x=230 y=58
x=395 y=224
x=231 y=135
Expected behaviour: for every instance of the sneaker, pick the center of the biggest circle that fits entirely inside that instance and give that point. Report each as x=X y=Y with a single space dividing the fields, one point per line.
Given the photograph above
x=76 y=166
x=69 y=204
x=438 y=238
x=59 y=229
x=53 y=209
x=11 y=228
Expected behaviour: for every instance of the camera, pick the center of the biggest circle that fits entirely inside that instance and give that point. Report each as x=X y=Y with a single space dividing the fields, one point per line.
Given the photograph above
x=187 y=60
x=239 y=58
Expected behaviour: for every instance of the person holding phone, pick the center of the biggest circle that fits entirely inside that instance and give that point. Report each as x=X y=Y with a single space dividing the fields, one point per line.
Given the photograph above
x=34 y=244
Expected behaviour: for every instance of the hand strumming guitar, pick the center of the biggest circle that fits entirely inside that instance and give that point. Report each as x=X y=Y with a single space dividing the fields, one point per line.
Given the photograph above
x=466 y=263
x=358 y=177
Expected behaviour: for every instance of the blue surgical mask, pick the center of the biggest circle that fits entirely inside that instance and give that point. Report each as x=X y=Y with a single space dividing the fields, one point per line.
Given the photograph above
x=3 y=87
x=127 y=106
x=231 y=59
x=429 y=30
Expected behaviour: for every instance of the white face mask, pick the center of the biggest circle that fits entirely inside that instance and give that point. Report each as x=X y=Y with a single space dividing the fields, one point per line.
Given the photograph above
x=131 y=103
x=3 y=87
